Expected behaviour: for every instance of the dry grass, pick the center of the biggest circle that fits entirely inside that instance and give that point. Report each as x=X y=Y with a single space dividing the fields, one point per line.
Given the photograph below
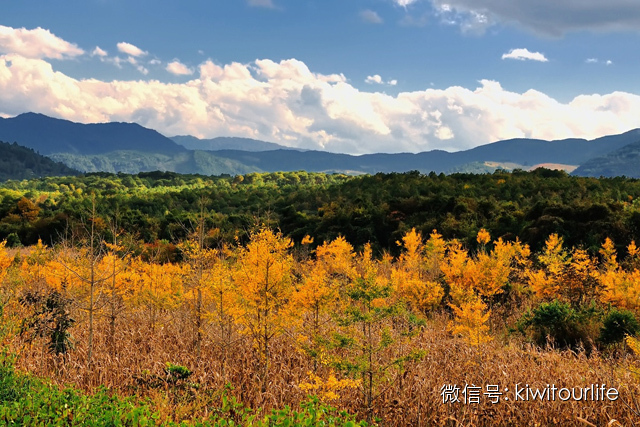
x=412 y=398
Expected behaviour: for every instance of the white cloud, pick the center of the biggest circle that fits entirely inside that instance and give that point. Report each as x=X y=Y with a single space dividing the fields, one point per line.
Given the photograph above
x=155 y=62
x=36 y=43
x=597 y=61
x=179 y=69
x=288 y=103
x=404 y=3
x=374 y=79
x=370 y=16
x=262 y=3
x=130 y=49
x=551 y=17
x=524 y=55
x=99 y=52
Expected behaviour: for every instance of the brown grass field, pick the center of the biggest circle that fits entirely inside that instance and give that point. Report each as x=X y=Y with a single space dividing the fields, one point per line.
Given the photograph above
x=411 y=398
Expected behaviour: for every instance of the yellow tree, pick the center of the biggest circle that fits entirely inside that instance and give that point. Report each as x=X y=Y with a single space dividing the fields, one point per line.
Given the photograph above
x=471 y=321
x=264 y=286
x=83 y=257
x=5 y=261
x=547 y=281
x=619 y=287
x=223 y=309
x=411 y=279
x=472 y=279
x=33 y=268
x=198 y=263
x=155 y=287
x=317 y=294
x=373 y=327
x=5 y=264
x=569 y=276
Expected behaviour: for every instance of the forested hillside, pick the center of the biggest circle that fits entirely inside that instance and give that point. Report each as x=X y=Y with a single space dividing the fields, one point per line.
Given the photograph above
x=367 y=209
x=17 y=162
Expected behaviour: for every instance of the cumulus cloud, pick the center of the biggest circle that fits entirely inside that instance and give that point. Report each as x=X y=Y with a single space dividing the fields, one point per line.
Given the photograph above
x=374 y=79
x=36 y=43
x=550 y=17
x=99 y=52
x=288 y=103
x=130 y=49
x=370 y=16
x=179 y=69
x=524 y=55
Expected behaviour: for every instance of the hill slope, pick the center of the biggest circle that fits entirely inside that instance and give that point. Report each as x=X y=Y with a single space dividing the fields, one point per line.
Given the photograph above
x=624 y=161
x=188 y=162
x=48 y=135
x=526 y=152
x=226 y=143
x=18 y=163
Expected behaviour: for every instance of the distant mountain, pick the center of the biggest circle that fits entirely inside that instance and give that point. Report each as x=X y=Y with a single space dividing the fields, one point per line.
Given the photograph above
x=201 y=162
x=530 y=152
x=525 y=152
x=622 y=162
x=128 y=147
x=226 y=143
x=18 y=163
x=48 y=135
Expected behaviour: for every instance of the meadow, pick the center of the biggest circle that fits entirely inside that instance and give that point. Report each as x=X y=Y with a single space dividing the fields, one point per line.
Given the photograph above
x=255 y=326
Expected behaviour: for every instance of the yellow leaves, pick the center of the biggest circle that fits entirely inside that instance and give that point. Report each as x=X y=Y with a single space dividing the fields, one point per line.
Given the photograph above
x=155 y=286
x=263 y=281
x=412 y=242
x=470 y=322
x=621 y=289
x=554 y=260
x=307 y=240
x=554 y=257
x=5 y=261
x=633 y=249
x=327 y=390
x=315 y=290
x=264 y=266
x=609 y=255
x=543 y=285
x=483 y=237
x=634 y=344
x=410 y=275
x=337 y=257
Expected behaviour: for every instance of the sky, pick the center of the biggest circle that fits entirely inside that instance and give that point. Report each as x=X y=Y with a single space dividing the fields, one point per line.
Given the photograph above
x=350 y=76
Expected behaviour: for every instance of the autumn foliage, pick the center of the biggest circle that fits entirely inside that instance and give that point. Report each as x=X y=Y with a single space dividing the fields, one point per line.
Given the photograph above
x=278 y=320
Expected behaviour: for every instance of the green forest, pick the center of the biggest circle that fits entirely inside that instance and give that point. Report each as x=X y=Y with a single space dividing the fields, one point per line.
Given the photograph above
x=378 y=209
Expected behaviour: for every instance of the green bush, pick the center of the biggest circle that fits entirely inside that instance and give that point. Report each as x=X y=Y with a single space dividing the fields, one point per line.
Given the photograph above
x=617 y=324
x=558 y=324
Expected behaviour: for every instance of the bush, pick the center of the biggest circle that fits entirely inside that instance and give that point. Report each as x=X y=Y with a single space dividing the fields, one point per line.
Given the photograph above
x=617 y=324
x=558 y=324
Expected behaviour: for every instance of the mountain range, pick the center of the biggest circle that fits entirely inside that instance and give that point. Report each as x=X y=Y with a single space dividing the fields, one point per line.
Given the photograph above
x=131 y=148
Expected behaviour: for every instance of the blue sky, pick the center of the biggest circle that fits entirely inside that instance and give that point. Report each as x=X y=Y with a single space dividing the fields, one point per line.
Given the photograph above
x=352 y=76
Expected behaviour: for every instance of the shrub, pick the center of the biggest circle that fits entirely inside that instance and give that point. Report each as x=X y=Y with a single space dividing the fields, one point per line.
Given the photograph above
x=617 y=324
x=558 y=324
